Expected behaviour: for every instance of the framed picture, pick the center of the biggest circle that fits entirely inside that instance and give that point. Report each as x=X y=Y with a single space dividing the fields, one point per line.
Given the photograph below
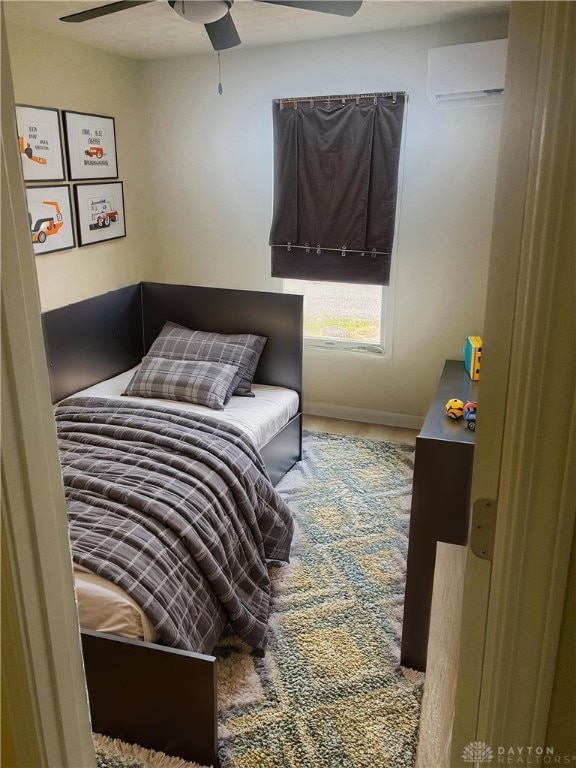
x=50 y=218
x=91 y=143
x=99 y=212
x=40 y=143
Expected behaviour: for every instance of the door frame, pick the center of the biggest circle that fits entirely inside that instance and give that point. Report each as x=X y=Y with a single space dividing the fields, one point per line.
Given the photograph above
x=45 y=716
x=524 y=456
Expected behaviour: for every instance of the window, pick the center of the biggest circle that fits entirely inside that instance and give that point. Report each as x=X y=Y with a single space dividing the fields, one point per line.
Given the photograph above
x=336 y=169
x=342 y=315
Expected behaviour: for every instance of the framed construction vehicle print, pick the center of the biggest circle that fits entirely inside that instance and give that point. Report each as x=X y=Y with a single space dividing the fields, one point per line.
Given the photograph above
x=40 y=143
x=99 y=212
x=50 y=218
x=91 y=144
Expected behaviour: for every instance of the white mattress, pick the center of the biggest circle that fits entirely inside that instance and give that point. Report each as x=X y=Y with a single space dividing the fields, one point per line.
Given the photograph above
x=104 y=607
x=260 y=417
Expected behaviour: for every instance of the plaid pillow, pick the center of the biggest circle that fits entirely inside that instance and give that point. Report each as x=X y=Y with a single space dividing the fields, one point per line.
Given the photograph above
x=192 y=381
x=243 y=350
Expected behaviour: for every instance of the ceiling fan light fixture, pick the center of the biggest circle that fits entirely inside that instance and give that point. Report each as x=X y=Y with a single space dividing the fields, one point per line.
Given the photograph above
x=201 y=11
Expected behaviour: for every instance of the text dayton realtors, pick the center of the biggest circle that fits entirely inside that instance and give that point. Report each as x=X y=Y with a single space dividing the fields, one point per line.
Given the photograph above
x=532 y=756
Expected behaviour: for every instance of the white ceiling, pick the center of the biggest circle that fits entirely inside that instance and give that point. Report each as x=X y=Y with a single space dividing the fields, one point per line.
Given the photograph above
x=155 y=31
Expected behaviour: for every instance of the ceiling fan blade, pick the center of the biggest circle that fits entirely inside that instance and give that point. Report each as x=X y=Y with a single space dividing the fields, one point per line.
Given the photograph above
x=223 y=33
x=104 y=10
x=337 y=7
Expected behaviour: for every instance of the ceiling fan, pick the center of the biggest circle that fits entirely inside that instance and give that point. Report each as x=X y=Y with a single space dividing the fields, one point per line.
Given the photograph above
x=215 y=14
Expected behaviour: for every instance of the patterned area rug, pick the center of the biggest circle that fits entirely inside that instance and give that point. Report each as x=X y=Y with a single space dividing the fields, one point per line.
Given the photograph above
x=330 y=692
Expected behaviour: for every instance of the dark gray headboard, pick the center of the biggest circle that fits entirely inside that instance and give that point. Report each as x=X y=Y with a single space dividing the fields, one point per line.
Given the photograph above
x=93 y=340
x=100 y=337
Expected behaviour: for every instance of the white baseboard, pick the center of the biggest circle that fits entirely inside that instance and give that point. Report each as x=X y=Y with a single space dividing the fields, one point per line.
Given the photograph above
x=331 y=411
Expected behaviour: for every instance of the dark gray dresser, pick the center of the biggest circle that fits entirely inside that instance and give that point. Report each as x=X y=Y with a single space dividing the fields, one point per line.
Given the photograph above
x=440 y=504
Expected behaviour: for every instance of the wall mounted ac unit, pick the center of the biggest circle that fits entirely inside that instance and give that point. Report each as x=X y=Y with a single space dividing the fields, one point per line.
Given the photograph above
x=467 y=75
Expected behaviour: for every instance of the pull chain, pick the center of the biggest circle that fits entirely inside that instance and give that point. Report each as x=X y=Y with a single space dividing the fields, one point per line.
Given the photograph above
x=219 y=76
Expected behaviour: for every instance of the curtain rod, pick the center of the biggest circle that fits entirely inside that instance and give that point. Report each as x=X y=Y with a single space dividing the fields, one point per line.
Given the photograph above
x=318 y=248
x=344 y=97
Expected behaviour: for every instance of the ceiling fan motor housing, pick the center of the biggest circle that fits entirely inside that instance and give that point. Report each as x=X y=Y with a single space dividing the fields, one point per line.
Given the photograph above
x=201 y=11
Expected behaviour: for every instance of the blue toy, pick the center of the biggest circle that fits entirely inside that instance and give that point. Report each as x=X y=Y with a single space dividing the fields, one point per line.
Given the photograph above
x=469 y=413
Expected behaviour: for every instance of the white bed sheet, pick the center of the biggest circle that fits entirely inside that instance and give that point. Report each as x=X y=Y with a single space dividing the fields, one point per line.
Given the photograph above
x=104 y=607
x=260 y=417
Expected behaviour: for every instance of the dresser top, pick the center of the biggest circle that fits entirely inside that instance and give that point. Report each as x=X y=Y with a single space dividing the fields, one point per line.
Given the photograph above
x=454 y=382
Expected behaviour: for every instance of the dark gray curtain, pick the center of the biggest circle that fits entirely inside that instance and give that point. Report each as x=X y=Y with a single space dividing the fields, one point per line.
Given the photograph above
x=335 y=186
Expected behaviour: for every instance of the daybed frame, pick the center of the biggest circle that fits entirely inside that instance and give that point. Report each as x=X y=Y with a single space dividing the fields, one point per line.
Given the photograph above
x=159 y=697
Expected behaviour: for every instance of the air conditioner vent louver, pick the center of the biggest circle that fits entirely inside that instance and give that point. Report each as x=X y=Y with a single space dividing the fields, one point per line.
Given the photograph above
x=467 y=75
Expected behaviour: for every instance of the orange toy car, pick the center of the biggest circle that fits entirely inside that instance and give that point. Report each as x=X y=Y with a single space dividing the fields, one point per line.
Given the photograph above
x=97 y=152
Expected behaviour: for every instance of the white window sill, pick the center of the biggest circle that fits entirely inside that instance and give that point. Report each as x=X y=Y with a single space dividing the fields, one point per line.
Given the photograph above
x=344 y=346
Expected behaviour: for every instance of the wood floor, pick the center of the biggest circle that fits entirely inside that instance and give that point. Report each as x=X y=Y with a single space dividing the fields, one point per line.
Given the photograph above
x=360 y=429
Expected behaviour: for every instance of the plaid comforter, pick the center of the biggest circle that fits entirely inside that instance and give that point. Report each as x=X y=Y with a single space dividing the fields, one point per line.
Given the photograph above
x=177 y=509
